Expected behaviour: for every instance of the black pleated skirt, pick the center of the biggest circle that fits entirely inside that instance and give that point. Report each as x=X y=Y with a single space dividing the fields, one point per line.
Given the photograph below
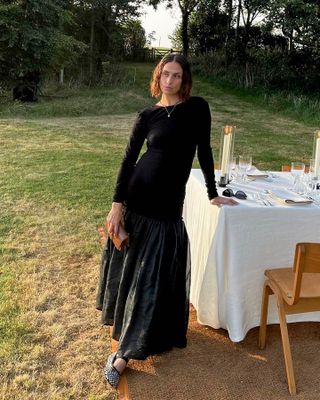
x=144 y=289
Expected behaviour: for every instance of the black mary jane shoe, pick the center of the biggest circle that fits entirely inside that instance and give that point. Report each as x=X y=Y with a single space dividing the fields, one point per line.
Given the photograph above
x=110 y=360
x=111 y=374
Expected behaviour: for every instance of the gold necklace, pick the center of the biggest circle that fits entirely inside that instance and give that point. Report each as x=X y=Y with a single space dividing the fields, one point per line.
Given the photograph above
x=174 y=106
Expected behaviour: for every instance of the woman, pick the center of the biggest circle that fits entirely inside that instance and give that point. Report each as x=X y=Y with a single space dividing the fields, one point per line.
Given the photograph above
x=144 y=289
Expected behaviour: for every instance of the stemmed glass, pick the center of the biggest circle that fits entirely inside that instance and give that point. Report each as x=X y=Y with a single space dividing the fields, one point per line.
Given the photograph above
x=233 y=169
x=297 y=171
x=245 y=163
x=312 y=182
x=307 y=179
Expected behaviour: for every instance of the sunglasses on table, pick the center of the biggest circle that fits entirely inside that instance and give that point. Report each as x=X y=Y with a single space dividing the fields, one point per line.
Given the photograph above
x=239 y=194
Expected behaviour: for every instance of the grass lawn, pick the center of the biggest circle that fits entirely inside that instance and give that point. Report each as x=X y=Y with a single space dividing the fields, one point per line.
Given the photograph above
x=58 y=162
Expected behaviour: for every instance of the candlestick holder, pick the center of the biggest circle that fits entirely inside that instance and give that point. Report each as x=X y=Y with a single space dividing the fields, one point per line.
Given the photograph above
x=316 y=154
x=226 y=153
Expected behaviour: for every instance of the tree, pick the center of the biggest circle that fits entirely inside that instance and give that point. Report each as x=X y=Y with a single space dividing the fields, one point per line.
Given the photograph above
x=102 y=24
x=229 y=10
x=39 y=34
x=299 y=21
x=151 y=37
x=208 y=27
x=134 y=36
x=248 y=12
x=186 y=8
x=28 y=35
x=66 y=52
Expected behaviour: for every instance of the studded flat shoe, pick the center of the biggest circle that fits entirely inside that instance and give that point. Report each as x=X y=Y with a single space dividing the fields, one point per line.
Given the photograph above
x=111 y=374
x=110 y=360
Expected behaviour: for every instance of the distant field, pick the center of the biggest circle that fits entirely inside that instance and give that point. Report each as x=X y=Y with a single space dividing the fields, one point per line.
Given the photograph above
x=59 y=159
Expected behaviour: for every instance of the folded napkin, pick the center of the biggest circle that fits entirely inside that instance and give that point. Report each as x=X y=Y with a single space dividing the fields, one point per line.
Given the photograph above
x=287 y=197
x=255 y=173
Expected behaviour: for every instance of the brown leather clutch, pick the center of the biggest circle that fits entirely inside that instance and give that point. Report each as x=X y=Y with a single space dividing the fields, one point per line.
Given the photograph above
x=121 y=240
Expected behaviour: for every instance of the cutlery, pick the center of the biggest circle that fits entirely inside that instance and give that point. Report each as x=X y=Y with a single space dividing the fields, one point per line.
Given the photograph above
x=258 y=198
x=272 y=174
x=268 y=192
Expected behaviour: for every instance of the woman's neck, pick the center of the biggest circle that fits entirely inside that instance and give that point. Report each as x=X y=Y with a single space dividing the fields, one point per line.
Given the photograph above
x=169 y=100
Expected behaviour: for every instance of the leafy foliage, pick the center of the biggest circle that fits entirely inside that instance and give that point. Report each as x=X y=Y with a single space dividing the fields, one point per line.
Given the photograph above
x=298 y=21
x=269 y=43
x=28 y=35
x=208 y=27
x=41 y=35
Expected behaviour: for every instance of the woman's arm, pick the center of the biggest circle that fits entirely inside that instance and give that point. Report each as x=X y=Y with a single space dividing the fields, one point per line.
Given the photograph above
x=205 y=157
x=129 y=160
x=204 y=150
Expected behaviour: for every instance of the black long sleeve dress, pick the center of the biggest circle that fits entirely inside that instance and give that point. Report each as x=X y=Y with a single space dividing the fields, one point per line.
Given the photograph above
x=144 y=290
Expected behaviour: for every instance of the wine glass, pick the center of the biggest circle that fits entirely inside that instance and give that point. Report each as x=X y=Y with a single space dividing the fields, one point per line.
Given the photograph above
x=297 y=171
x=245 y=163
x=233 y=169
x=312 y=180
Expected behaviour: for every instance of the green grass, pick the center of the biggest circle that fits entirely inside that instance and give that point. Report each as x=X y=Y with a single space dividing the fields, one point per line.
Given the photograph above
x=128 y=94
x=59 y=160
x=302 y=108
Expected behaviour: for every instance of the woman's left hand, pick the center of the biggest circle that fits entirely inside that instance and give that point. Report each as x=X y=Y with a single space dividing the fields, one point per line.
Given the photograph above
x=221 y=201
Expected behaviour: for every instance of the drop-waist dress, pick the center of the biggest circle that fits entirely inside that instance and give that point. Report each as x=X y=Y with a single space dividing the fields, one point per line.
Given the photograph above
x=144 y=289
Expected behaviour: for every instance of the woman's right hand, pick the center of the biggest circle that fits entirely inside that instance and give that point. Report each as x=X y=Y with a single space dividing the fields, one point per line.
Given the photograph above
x=114 y=218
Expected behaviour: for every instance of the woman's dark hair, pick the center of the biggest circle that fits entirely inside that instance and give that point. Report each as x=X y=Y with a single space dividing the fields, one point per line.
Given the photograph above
x=186 y=83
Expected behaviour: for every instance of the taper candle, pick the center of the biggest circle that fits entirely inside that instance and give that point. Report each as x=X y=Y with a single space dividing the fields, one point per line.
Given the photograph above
x=317 y=154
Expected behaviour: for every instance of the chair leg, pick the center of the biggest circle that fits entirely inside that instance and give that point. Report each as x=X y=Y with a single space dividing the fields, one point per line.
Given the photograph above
x=264 y=314
x=286 y=346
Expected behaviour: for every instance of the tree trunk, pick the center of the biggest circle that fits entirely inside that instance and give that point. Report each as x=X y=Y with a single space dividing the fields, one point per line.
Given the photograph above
x=291 y=48
x=184 y=33
x=229 y=6
x=247 y=25
x=91 y=60
x=238 y=17
x=61 y=77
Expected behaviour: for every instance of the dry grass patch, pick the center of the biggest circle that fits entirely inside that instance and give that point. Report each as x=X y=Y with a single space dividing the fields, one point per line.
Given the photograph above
x=65 y=347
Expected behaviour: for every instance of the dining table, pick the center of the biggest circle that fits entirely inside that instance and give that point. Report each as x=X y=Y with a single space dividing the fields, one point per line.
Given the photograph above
x=232 y=246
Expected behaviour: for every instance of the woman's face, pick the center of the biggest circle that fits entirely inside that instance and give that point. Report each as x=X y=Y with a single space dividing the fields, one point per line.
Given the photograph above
x=171 y=78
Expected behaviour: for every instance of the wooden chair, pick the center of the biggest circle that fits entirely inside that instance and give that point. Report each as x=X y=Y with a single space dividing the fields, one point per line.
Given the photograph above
x=287 y=168
x=297 y=290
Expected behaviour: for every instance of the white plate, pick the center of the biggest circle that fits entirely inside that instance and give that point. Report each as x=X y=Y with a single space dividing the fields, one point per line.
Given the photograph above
x=255 y=173
x=288 y=198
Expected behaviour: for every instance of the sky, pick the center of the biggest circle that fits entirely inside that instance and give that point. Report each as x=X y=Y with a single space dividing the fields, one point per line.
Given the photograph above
x=162 y=21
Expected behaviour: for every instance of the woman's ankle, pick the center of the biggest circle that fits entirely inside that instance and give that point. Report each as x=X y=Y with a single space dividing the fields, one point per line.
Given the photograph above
x=120 y=364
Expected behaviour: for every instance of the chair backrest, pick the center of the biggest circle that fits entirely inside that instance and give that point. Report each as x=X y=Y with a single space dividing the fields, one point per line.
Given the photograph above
x=287 y=168
x=306 y=260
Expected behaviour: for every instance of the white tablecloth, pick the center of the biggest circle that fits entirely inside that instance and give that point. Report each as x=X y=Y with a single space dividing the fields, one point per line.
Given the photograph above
x=232 y=246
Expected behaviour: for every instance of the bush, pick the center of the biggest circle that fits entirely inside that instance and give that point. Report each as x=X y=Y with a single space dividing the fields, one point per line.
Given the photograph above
x=279 y=81
x=274 y=69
